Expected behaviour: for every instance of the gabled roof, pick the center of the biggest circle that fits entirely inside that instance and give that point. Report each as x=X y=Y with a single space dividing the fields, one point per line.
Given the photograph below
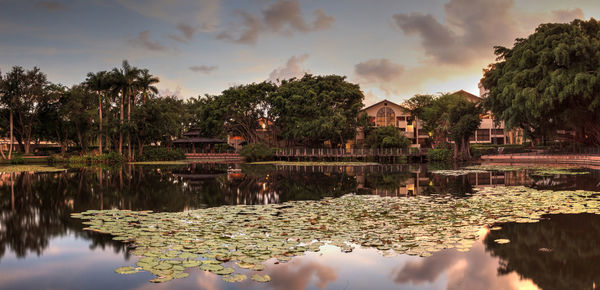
x=386 y=100
x=468 y=95
x=199 y=140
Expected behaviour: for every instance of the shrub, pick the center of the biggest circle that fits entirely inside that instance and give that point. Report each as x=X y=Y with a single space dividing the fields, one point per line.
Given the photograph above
x=439 y=154
x=257 y=152
x=17 y=160
x=161 y=154
x=223 y=148
x=386 y=137
x=113 y=157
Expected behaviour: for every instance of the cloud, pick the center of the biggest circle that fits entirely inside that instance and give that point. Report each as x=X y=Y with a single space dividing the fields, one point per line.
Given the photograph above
x=567 y=15
x=470 y=30
x=143 y=40
x=287 y=16
x=282 y=17
x=248 y=34
x=187 y=32
x=203 y=68
x=51 y=5
x=375 y=70
x=293 y=68
x=202 y=14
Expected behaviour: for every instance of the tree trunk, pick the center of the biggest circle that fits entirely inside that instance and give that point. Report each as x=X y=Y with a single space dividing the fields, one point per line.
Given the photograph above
x=140 y=146
x=121 y=129
x=100 y=114
x=129 y=121
x=10 y=146
x=456 y=150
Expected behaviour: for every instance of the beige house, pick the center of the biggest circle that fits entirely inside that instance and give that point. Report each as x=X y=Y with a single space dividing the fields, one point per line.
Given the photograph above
x=388 y=113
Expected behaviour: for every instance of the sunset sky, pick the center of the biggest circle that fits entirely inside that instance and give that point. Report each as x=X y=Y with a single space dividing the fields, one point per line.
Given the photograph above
x=393 y=49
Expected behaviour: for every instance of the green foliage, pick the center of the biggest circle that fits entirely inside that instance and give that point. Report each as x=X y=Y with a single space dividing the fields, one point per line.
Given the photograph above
x=386 y=137
x=106 y=158
x=549 y=81
x=314 y=109
x=157 y=120
x=17 y=160
x=257 y=152
x=161 y=154
x=439 y=154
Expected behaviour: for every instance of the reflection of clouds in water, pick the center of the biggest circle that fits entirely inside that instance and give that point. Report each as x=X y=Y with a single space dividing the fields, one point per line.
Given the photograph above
x=298 y=274
x=469 y=270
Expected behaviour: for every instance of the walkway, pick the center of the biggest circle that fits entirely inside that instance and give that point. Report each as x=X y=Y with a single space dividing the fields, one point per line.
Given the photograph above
x=584 y=159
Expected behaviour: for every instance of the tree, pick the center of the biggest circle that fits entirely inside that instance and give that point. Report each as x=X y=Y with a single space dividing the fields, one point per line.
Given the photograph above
x=315 y=109
x=386 y=137
x=452 y=116
x=157 y=120
x=21 y=92
x=244 y=106
x=207 y=115
x=464 y=121
x=125 y=81
x=55 y=126
x=146 y=83
x=78 y=105
x=99 y=83
x=416 y=107
x=549 y=81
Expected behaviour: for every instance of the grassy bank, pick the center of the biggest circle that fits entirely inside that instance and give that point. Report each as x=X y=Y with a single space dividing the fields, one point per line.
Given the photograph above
x=308 y=163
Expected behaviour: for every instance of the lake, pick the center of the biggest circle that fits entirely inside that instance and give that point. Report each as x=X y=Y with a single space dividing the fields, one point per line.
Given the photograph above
x=42 y=246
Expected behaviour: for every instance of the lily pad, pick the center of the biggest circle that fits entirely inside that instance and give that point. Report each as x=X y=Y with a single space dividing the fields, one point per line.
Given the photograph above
x=261 y=278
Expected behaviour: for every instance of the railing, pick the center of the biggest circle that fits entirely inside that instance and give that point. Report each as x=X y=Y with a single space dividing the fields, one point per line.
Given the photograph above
x=354 y=152
x=212 y=155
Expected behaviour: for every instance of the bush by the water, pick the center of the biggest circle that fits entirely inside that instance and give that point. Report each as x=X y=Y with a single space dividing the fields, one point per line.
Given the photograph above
x=161 y=154
x=386 y=137
x=110 y=158
x=257 y=152
x=439 y=154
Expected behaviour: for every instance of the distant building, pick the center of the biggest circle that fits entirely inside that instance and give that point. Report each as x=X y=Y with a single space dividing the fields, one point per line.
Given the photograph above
x=193 y=142
x=388 y=113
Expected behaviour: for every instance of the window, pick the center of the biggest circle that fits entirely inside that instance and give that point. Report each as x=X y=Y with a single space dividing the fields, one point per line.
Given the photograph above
x=483 y=135
x=385 y=117
x=498 y=131
x=402 y=118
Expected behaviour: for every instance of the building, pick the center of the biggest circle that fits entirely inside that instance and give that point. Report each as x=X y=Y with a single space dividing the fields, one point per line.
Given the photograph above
x=192 y=142
x=388 y=113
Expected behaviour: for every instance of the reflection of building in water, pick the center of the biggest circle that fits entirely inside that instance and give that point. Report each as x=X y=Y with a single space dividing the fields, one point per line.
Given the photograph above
x=490 y=178
x=390 y=180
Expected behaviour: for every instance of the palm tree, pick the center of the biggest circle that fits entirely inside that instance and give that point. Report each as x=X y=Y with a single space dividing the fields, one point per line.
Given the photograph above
x=125 y=80
x=99 y=82
x=146 y=83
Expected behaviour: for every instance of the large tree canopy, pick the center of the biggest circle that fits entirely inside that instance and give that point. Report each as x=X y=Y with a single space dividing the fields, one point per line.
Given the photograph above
x=315 y=109
x=548 y=81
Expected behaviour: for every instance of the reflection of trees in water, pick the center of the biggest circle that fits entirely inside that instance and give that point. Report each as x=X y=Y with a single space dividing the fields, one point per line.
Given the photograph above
x=264 y=184
x=455 y=185
x=36 y=207
x=557 y=253
x=568 y=182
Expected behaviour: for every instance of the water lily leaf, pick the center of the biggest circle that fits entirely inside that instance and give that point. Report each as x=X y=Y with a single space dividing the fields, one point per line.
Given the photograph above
x=126 y=270
x=191 y=263
x=261 y=278
x=234 y=278
x=162 y=279
x=502 y=241
x=224 y=271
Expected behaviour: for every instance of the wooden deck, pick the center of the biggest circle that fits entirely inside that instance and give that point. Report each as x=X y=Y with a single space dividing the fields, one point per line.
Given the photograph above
x=337 y=153
x=209 y=156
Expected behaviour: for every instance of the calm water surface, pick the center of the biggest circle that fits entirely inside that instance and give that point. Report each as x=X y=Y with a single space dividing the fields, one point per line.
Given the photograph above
x=41 y=247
